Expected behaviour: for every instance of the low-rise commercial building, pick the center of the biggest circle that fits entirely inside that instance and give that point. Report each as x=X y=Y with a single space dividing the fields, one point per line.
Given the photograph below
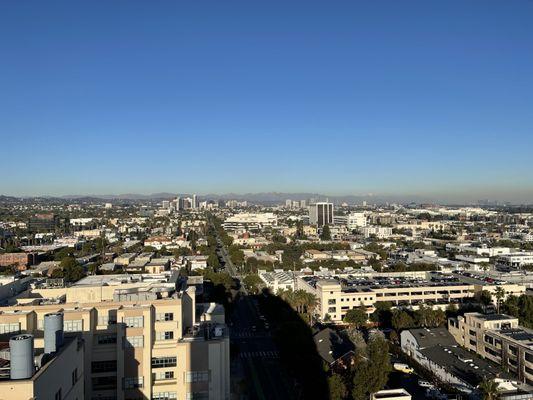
x=277 y=280
x=250 y=221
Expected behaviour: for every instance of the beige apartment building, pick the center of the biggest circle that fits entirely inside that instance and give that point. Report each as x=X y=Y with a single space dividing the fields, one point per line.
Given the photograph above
x=337 y=296
x=59 y=377
x=142 y=340
x=499 y=338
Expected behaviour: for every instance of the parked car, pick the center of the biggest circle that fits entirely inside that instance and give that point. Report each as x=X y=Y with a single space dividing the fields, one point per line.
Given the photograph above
x=406 y=369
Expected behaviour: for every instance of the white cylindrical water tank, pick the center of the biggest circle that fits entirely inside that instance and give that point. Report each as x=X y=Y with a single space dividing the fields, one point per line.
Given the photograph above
x=53 y=332
x=21 y=349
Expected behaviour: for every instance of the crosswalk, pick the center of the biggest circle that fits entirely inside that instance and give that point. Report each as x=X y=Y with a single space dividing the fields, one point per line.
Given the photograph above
x=243 y=333
x=247 y=333
x=259 y=354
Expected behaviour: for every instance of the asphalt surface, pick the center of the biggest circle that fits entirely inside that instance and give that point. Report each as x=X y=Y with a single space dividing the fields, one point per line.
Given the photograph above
x=256 y=371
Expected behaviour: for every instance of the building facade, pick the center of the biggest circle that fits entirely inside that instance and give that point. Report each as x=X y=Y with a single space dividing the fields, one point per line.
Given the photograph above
x=321 y=214
x=138 y=346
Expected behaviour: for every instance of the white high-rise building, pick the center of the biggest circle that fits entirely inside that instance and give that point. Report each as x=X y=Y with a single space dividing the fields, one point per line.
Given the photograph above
x=194 y=202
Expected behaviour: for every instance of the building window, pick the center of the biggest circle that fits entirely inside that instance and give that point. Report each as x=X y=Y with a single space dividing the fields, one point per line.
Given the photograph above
x=168 y=335
x=133 y=342
x=133 y=382
x=161 y=376
x=74 y=325
x=9 y=328
x=106 y=339
x=164 y=362
x=104 y=383
x=164 y=396
x=105 y=320
x=197 y=376
x=164 y=317
x=104 y=366
x=134 y=322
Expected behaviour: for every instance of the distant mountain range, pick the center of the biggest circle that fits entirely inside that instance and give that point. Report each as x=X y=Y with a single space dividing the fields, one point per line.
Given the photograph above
x=256 y=198
x=264 y=198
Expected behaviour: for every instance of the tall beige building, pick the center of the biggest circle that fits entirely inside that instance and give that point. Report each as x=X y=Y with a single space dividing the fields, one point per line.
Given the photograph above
x=143 y=339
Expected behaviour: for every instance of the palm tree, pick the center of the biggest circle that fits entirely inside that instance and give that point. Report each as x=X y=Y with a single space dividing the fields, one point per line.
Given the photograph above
x=489 y=390
x=499 y=293
x=301 y=301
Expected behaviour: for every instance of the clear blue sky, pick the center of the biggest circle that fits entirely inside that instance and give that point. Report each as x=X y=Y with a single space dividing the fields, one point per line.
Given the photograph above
x=336 y=97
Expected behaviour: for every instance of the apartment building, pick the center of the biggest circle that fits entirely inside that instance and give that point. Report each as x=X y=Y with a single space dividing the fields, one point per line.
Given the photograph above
x=499 y=338
x=351 y=221
x=144 y=341
x=436 y=350
x=338 y=294
x=380 y=232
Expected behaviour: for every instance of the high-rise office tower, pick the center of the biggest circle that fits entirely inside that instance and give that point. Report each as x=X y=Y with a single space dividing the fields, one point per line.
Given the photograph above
x=321 y=214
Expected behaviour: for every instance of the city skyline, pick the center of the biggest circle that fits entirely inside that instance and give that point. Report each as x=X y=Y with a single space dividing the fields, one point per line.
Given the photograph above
x=416 y=99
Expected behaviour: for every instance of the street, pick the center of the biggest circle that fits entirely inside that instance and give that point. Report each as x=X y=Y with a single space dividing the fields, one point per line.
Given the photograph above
x=256 y=363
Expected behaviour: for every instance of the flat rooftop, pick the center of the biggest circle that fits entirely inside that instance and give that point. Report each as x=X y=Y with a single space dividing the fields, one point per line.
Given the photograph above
x=461 y=363
x=353 y=283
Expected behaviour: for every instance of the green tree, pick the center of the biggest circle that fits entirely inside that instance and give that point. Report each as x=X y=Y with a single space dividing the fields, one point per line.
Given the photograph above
x=356 y=317
x=66 y=252
x=279 y=238
x=511 y=306
x=337 y=387
x=485 y=297
x=252 y=282
x=489 y=390
x=212 y=261
x=326 y=233
x=236 y=255
x=372 y=372
x=382 y=315
x=71 y=270
x=401 y=320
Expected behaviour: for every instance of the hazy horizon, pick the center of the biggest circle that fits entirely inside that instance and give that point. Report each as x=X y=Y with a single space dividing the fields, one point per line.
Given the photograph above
x=448 y=198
